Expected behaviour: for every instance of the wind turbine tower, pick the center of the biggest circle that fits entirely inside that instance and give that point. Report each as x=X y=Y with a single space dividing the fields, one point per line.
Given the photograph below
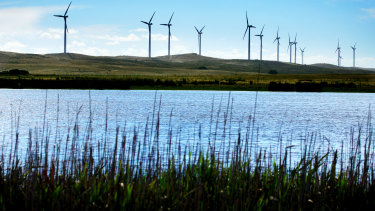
x=149 y=34
x=65 y=26
x=295 y=49
x=261 y=42
x=290 y=49
x=354 y=48
x=199 y=39
x=278 y=43
x=248 y=27
x=302 y=52
x=169 y=35
x=338 y=50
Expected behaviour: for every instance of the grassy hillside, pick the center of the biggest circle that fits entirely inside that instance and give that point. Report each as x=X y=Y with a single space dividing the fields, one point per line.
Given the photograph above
x=180 y=65
x=186 y=71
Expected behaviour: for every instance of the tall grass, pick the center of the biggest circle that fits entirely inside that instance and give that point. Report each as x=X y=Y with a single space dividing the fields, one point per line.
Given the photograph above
x=141 y=169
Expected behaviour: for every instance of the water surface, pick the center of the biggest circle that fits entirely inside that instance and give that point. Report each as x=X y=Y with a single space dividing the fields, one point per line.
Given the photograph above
x=193 y=117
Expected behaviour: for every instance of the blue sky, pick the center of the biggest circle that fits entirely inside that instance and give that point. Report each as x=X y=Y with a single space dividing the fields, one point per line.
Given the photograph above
x=113 y=27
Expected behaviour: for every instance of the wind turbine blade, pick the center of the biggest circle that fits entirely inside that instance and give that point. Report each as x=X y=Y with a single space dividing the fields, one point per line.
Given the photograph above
x=163 y=24
x=66 y=28
x=261 y=33
x=144 y=22
x=277 y=32
x=245 y=32
x=171 y=18
x=295 y=39
x=247 y=19
x=67 y=9
x=152 y=17
x=60 y=16
x=202 y=29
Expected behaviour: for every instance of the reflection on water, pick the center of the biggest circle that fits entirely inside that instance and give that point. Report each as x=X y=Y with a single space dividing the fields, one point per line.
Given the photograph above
x=193 y=118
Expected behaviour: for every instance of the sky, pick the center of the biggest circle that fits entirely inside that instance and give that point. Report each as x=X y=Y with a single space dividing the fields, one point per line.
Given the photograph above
x=113 y=28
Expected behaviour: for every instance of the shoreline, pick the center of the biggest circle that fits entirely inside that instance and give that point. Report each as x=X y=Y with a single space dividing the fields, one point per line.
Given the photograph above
x=154 y=83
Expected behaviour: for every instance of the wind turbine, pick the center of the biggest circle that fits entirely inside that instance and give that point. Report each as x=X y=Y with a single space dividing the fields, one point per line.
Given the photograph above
x=290 y=49
x=295 y=49
x=149 y=34
x=65 y=26
x=354 y=48
x=302 y=51
x=338 y=50
x=169 y=35
x=199 y=38
x=278 y=43
x=248 y=27
x=261 y=42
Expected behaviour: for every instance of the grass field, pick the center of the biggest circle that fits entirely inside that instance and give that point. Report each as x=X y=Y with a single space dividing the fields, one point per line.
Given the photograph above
x=187 y=71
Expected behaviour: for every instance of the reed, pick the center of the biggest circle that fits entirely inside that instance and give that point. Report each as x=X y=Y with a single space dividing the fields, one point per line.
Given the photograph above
x=137 y=170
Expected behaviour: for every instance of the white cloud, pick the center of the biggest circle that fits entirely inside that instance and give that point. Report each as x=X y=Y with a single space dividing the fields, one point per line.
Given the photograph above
x=370 y=12
x=12 y=46
x=52 y=33
x=138 y=30
x=15 y=20
x=156 y=37
x=365 y=62
x=115 y=39
x=159 y=37
x=79 y=44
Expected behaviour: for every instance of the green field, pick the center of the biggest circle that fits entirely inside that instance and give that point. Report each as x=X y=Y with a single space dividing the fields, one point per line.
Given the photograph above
x=188 y=71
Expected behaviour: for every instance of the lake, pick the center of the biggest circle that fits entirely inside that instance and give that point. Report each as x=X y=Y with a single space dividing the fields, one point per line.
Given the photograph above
x=192 y=118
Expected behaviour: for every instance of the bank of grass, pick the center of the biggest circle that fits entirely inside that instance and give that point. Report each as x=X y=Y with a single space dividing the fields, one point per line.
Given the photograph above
x=251 y=82
x=140 y=171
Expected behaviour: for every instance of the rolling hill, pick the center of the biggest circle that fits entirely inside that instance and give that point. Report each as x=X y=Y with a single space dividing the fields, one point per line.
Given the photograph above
x=178 y=65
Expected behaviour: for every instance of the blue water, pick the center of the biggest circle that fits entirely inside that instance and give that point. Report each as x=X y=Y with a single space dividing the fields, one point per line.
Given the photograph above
x=289 y=117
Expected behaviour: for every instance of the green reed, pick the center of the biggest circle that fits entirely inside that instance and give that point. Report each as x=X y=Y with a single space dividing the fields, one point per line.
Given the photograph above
x=136 y=171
